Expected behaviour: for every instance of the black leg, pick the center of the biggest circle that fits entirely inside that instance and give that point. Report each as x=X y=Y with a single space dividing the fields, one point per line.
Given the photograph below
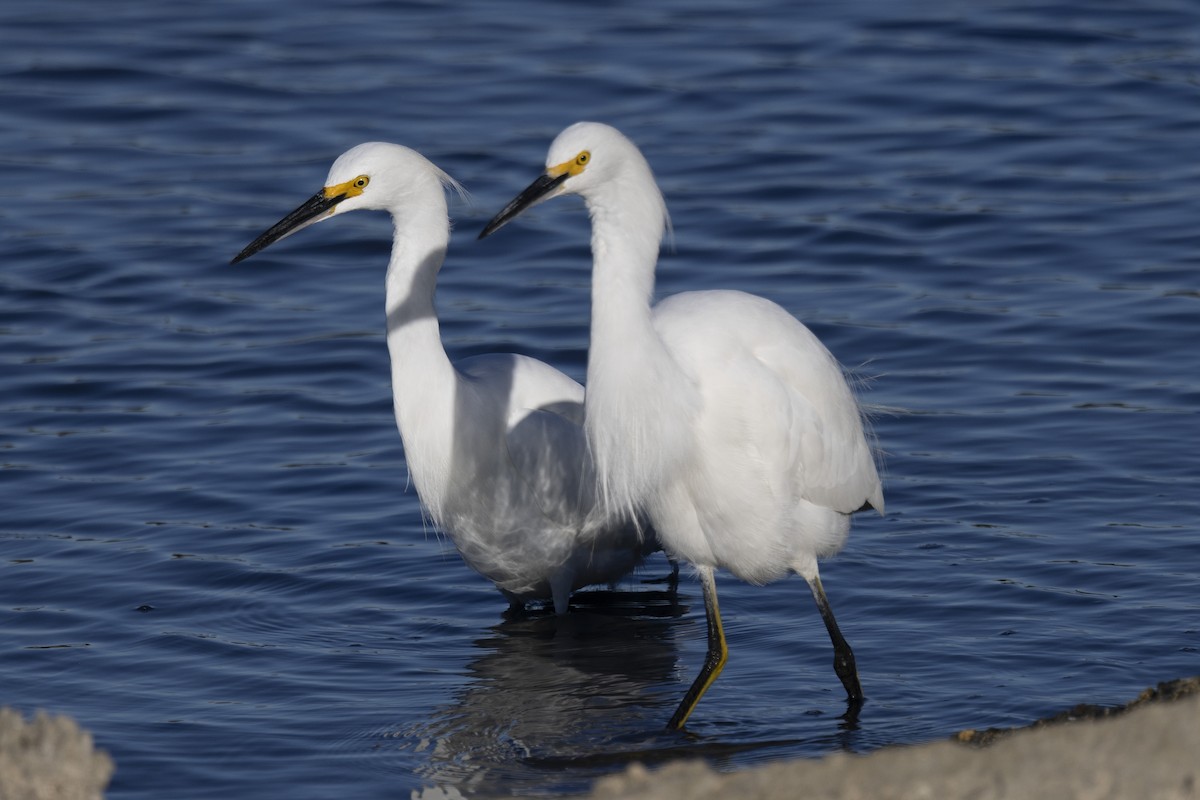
x=843 y=656
x=714 y=659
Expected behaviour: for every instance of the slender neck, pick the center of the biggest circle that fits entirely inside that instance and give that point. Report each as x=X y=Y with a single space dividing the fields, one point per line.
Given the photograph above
x=638 y=403
x=418 y=249
x=627 y=227
x=423 y=379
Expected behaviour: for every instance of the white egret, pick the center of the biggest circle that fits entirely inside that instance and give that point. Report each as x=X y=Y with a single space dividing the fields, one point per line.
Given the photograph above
x=493 y=444
x=716 y=411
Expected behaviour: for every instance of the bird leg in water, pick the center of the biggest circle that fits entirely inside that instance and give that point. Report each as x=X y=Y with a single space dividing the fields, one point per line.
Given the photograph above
x=714 y=659
x=672 y=579
x=843 y=656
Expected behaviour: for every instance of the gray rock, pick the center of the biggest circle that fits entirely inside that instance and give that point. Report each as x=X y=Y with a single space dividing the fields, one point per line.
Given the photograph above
x=49 y=758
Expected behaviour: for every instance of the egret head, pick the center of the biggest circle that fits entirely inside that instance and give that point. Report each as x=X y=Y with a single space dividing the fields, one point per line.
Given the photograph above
x=374 y=175
x=585 y=156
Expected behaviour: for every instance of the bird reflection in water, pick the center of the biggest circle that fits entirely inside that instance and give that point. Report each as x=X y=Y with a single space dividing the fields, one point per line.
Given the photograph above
x=555 y=689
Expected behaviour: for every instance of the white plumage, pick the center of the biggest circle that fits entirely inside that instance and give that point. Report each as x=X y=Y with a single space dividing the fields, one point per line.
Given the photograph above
x=717 y=412
x=493 y=444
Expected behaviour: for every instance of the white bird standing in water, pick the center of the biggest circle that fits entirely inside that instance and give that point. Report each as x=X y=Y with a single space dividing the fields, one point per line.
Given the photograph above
x=717 y=411
x=494 y=443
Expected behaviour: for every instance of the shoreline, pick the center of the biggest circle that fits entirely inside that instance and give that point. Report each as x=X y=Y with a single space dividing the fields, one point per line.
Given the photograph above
x=1146 y=748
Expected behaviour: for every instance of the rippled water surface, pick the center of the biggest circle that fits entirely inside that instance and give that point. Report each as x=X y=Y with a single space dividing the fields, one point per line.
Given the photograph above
x=212 y=558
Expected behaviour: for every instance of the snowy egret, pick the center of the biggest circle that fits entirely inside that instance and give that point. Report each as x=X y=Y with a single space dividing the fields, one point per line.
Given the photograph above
x=717 y=411
x=494 y=444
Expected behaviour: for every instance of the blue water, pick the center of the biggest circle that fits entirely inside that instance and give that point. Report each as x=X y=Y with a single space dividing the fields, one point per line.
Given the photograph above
x=212 y=558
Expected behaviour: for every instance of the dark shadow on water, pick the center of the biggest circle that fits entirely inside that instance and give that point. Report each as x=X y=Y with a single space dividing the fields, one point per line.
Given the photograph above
x=547 y=689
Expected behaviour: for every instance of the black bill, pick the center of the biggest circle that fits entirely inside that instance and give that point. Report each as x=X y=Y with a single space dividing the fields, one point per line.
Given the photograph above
x=313 y=210
x=532 y=194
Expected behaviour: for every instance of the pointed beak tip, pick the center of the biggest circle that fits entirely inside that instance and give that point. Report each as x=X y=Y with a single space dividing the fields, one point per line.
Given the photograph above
x=315 y=209
x=537 y=191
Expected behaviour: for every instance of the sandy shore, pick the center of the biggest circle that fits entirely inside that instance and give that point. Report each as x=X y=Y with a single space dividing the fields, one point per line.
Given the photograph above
x=1149 y=748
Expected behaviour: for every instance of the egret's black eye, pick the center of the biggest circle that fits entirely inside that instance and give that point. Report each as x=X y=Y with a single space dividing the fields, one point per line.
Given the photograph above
x=361 y=181
x=582 y=159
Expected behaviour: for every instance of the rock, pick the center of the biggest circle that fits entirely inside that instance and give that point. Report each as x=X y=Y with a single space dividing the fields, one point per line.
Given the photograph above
x=49 y=758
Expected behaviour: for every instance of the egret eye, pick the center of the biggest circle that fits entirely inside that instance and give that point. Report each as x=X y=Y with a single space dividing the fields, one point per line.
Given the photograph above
x=361 y=181
x=582 y=159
